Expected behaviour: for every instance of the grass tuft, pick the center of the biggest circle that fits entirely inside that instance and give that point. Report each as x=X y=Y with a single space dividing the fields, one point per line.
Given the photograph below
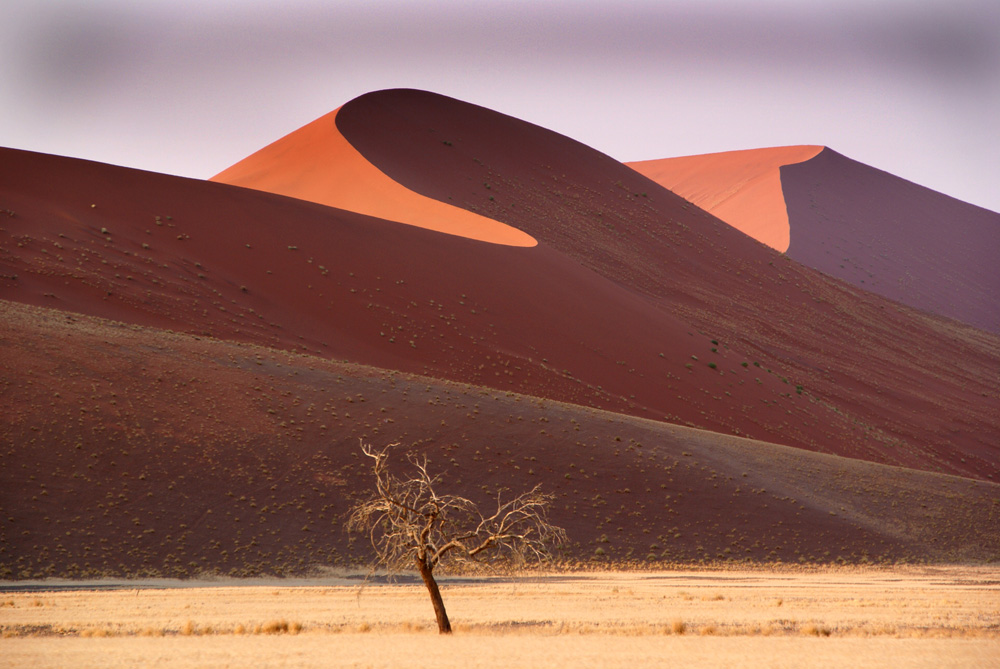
x=815 y=630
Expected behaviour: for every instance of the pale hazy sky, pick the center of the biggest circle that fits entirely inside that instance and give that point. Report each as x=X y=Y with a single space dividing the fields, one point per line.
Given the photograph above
x=189 y=87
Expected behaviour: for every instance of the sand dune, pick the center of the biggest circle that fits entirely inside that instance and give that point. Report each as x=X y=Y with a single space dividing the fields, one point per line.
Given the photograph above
x=623 y=360
x=854 y=222
x=135 y=451
x=634 y=301
x=743 y=188
x=895 y=238
x=316 y=163
x=678 y=257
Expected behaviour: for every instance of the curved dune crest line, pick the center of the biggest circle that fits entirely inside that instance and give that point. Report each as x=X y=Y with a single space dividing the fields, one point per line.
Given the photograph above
x=743 y=188
x=318 y=164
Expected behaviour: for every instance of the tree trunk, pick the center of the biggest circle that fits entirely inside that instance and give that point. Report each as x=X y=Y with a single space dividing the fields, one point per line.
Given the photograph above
x=444 y=626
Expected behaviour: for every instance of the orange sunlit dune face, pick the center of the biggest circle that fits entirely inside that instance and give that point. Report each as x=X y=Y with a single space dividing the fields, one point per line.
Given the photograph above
x=743 y=188
x=318 y=164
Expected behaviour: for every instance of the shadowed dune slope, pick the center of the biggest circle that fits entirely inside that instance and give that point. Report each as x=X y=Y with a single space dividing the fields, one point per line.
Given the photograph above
x=316 y=163
x=895 y=238
x=888 y=369
x=129 y=450
x=239 y=264
x=853 y=222
x=634 y=301
x=743 y=188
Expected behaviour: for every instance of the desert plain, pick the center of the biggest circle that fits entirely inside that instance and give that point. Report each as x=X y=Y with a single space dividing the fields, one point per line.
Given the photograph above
x=940 y=616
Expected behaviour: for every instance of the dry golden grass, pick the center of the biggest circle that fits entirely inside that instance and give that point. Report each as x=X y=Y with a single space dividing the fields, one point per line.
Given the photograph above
x=941 y=616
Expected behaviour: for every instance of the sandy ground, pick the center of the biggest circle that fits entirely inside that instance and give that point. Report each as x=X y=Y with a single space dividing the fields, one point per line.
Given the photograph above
x=913 y=617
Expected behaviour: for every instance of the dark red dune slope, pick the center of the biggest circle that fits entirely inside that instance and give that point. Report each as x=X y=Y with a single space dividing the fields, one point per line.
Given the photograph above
x=188 y=366
x=131 y=451
x=215 y=260
x=633 y=301
x=849 y=348
x=895 y=238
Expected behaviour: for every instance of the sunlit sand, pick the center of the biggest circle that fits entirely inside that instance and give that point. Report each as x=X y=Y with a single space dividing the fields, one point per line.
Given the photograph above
x=933 y=616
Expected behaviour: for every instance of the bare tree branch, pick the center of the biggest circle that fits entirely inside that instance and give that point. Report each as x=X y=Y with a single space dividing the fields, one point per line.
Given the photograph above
x=410 y=524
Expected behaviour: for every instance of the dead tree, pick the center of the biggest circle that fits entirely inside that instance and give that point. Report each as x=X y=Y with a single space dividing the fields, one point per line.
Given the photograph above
x=411 y=524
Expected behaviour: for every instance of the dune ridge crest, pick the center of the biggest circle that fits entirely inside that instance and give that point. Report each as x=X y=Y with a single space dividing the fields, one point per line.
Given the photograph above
x=317 y=163
x=743 y=188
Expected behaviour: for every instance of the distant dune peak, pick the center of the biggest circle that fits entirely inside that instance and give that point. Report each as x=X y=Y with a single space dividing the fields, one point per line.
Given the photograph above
x=851 y=221
x=318 y=164
x=893 y=237
x=743 y=188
